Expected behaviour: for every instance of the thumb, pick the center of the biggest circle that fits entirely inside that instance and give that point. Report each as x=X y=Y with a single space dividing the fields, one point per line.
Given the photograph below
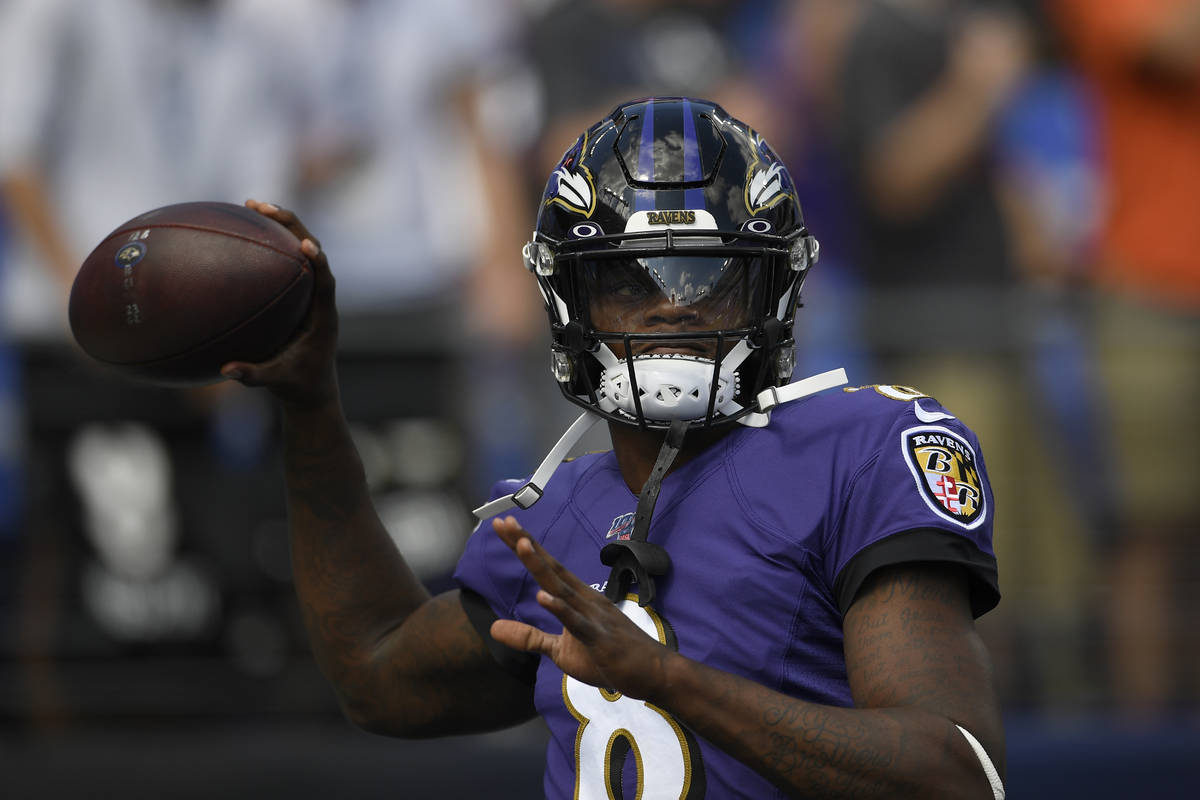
x=520 y=636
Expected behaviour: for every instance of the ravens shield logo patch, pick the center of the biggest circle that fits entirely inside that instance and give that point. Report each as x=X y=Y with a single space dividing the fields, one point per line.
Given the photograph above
x=947 y=473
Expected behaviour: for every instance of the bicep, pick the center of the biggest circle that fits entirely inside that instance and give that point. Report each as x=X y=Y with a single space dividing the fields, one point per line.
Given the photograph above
x=910 y=641
x=437 y=677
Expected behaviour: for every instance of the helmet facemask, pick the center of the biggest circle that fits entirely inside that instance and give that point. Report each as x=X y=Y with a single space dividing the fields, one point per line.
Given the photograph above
x=702 y=320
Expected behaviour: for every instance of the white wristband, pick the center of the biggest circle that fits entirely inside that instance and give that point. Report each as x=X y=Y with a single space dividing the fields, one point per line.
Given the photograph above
x=988 y=768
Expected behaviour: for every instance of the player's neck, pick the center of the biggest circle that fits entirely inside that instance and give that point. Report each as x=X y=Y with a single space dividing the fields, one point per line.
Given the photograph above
x=637 y=450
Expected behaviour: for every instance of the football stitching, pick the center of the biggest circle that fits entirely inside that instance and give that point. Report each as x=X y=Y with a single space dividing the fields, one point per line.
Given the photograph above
x=298 y=258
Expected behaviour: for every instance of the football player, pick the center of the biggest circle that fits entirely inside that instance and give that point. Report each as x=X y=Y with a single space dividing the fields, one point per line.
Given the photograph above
x=766 y=587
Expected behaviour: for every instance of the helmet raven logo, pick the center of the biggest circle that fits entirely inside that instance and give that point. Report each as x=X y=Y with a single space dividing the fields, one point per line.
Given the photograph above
x=574 y=191
x=764 y=187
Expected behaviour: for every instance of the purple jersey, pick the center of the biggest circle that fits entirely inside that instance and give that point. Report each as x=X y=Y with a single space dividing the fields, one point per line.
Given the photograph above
x=771 y=532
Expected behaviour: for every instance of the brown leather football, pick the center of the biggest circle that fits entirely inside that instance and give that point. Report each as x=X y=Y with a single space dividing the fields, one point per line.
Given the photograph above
x=174 y=293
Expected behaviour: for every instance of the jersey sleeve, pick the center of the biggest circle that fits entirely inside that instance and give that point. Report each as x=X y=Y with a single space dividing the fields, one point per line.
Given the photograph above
x=921 y=495
x=491 y=578
x=488 y=568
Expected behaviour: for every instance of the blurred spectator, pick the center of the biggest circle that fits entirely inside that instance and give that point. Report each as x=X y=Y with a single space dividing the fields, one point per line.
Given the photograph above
x=366 y=113
x=407 y=173
x=1050 y=189
x=795 y=52
x=1142 y=58
x=111 y=109
x=924 y=89
x=390 y=167
x=921 y=86
x=620 y=49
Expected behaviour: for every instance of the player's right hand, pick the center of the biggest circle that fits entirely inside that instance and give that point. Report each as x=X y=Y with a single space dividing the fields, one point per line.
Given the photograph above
x=598 y=645
x=303 y=373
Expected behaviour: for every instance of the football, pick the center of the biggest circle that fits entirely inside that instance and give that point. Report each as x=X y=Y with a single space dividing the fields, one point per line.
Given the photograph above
x=174 y=293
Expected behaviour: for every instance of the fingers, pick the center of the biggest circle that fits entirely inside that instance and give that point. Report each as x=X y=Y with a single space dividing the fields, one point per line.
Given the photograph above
x=545 y=568
x=284 y=217
x=520 y=636
x=309 y=245
x=563 y=593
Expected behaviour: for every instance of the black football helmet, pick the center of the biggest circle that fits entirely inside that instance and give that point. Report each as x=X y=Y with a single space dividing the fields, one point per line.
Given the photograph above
x=670 y=250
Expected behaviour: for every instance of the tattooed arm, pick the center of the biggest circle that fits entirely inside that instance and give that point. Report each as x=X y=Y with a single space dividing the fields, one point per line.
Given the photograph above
x=401 y=662
x=916 y=668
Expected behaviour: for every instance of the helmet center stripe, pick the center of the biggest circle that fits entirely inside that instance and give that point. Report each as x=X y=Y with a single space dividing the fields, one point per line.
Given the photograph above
x=644 y=200
x=692 y=169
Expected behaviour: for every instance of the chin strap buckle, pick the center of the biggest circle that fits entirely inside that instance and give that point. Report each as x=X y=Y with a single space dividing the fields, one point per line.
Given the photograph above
x=531 y=491
x=775 y=395
x=527 y=495
x=633 y=562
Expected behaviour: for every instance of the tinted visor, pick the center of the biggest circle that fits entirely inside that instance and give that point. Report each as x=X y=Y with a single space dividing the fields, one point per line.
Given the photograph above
x=672 y=293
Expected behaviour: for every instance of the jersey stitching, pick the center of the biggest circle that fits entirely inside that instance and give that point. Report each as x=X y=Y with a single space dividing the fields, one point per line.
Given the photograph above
x=695 y=486
x=805 y=560
x=739 y=492
x=786 y=666
x=844 y=507
x=576 y=509
x=834 y=530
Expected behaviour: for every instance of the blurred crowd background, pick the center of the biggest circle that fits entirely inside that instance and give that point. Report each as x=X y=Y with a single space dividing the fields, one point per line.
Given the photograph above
x=1007 y=194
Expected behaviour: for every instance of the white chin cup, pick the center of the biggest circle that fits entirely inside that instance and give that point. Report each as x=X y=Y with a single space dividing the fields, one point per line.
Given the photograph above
x=671 y=386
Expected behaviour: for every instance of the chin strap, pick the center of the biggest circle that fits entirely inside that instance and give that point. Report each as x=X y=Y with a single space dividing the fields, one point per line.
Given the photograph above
x=772 y=396
x=531 y=491
x=635 y=560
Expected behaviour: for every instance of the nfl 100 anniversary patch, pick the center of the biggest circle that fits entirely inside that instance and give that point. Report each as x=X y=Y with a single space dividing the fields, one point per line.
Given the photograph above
x=946 y=470
x=622 y=527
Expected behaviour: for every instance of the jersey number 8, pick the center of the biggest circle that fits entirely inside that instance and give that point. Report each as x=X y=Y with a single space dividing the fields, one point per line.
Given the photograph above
x=613 y=727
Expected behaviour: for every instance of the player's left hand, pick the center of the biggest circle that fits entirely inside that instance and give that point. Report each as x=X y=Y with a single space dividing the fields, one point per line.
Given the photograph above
x=599 y=645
